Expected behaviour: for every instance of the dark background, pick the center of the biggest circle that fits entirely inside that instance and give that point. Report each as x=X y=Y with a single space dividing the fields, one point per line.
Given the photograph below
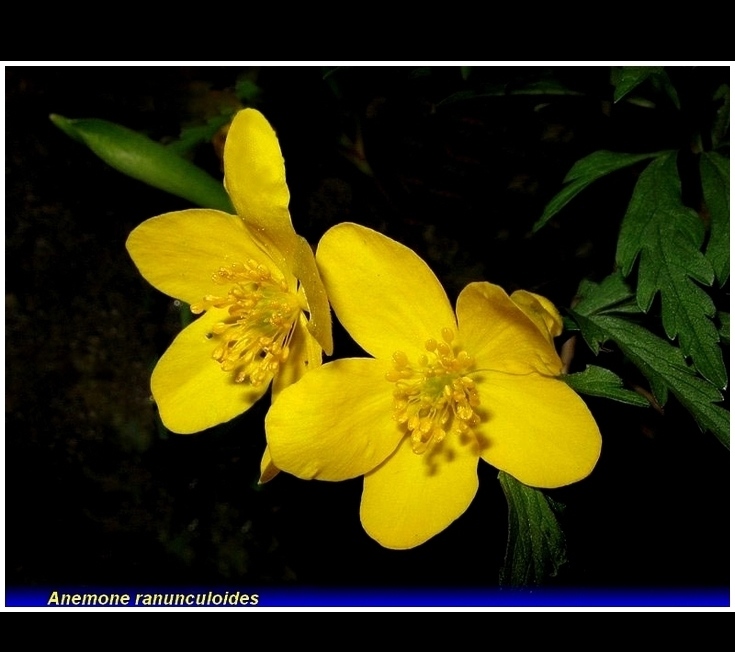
x=98 y=493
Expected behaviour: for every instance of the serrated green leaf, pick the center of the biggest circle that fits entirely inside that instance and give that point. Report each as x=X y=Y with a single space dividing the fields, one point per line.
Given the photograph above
x=667 y=237
x=656 y=357
x=597 y=381
x=536 y=546
x=724 y=318
x=141 y=158
x=592 y=334
x=715 y=170
x=568 y=324
x=612 y=294
x=583 y=173
x=665 y=367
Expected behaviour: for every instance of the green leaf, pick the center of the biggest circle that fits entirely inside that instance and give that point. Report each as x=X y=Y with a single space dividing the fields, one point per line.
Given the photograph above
x=192 y=136
x=592 y=334
x=140 y=157
x=664 y=366
x=715 y=170
x=548 y=87
x=328 y=72
x=626 y=78
x=247 y=91
x=583 y=173
x=612 y=294
x=721 y=127
x=724 y=318
x=536 y=546
x=662 y=81
x=667 y=236
x=597 y=381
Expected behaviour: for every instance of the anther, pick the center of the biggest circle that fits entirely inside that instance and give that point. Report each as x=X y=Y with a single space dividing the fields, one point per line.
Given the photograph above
x=434 y=398
x=253 y=338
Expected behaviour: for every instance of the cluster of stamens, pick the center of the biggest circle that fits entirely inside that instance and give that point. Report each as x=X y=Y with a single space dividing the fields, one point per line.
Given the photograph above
x=252 y=342
x=435 y=397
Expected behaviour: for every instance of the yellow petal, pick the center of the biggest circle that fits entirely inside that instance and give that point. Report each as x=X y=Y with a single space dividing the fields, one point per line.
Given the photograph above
x=190 y=388
x=410 y=498
x=305 y=354
x=320 y=319
x=499 y=335
x=255 y=178
x=537 y=429
x=383 y=293
x=179 y=252
x=268 y=470
x=540 y=311
x=335 y=423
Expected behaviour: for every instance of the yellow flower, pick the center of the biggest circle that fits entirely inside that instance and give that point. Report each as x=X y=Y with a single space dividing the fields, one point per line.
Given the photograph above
x=265 y=312
x=441 y=392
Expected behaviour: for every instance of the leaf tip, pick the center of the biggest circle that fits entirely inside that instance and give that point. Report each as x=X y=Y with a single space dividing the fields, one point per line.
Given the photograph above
x=65 y=124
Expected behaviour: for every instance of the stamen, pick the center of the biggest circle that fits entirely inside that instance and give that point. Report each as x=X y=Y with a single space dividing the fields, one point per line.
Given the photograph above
x=252 y=342
x=435 y=397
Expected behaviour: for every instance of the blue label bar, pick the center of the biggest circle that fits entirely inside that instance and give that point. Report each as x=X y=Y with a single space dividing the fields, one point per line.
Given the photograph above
x=177 y=597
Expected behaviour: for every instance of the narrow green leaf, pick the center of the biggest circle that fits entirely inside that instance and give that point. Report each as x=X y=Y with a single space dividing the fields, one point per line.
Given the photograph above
x=667 y=237
x=536 y=546
x=597 y=381
x=715 y=170
x=142 y=158
x=541 y=88
x=583 y=173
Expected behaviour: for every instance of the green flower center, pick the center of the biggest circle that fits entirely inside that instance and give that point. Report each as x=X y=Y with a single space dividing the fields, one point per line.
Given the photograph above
x=435 y=397
x=252 y=342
